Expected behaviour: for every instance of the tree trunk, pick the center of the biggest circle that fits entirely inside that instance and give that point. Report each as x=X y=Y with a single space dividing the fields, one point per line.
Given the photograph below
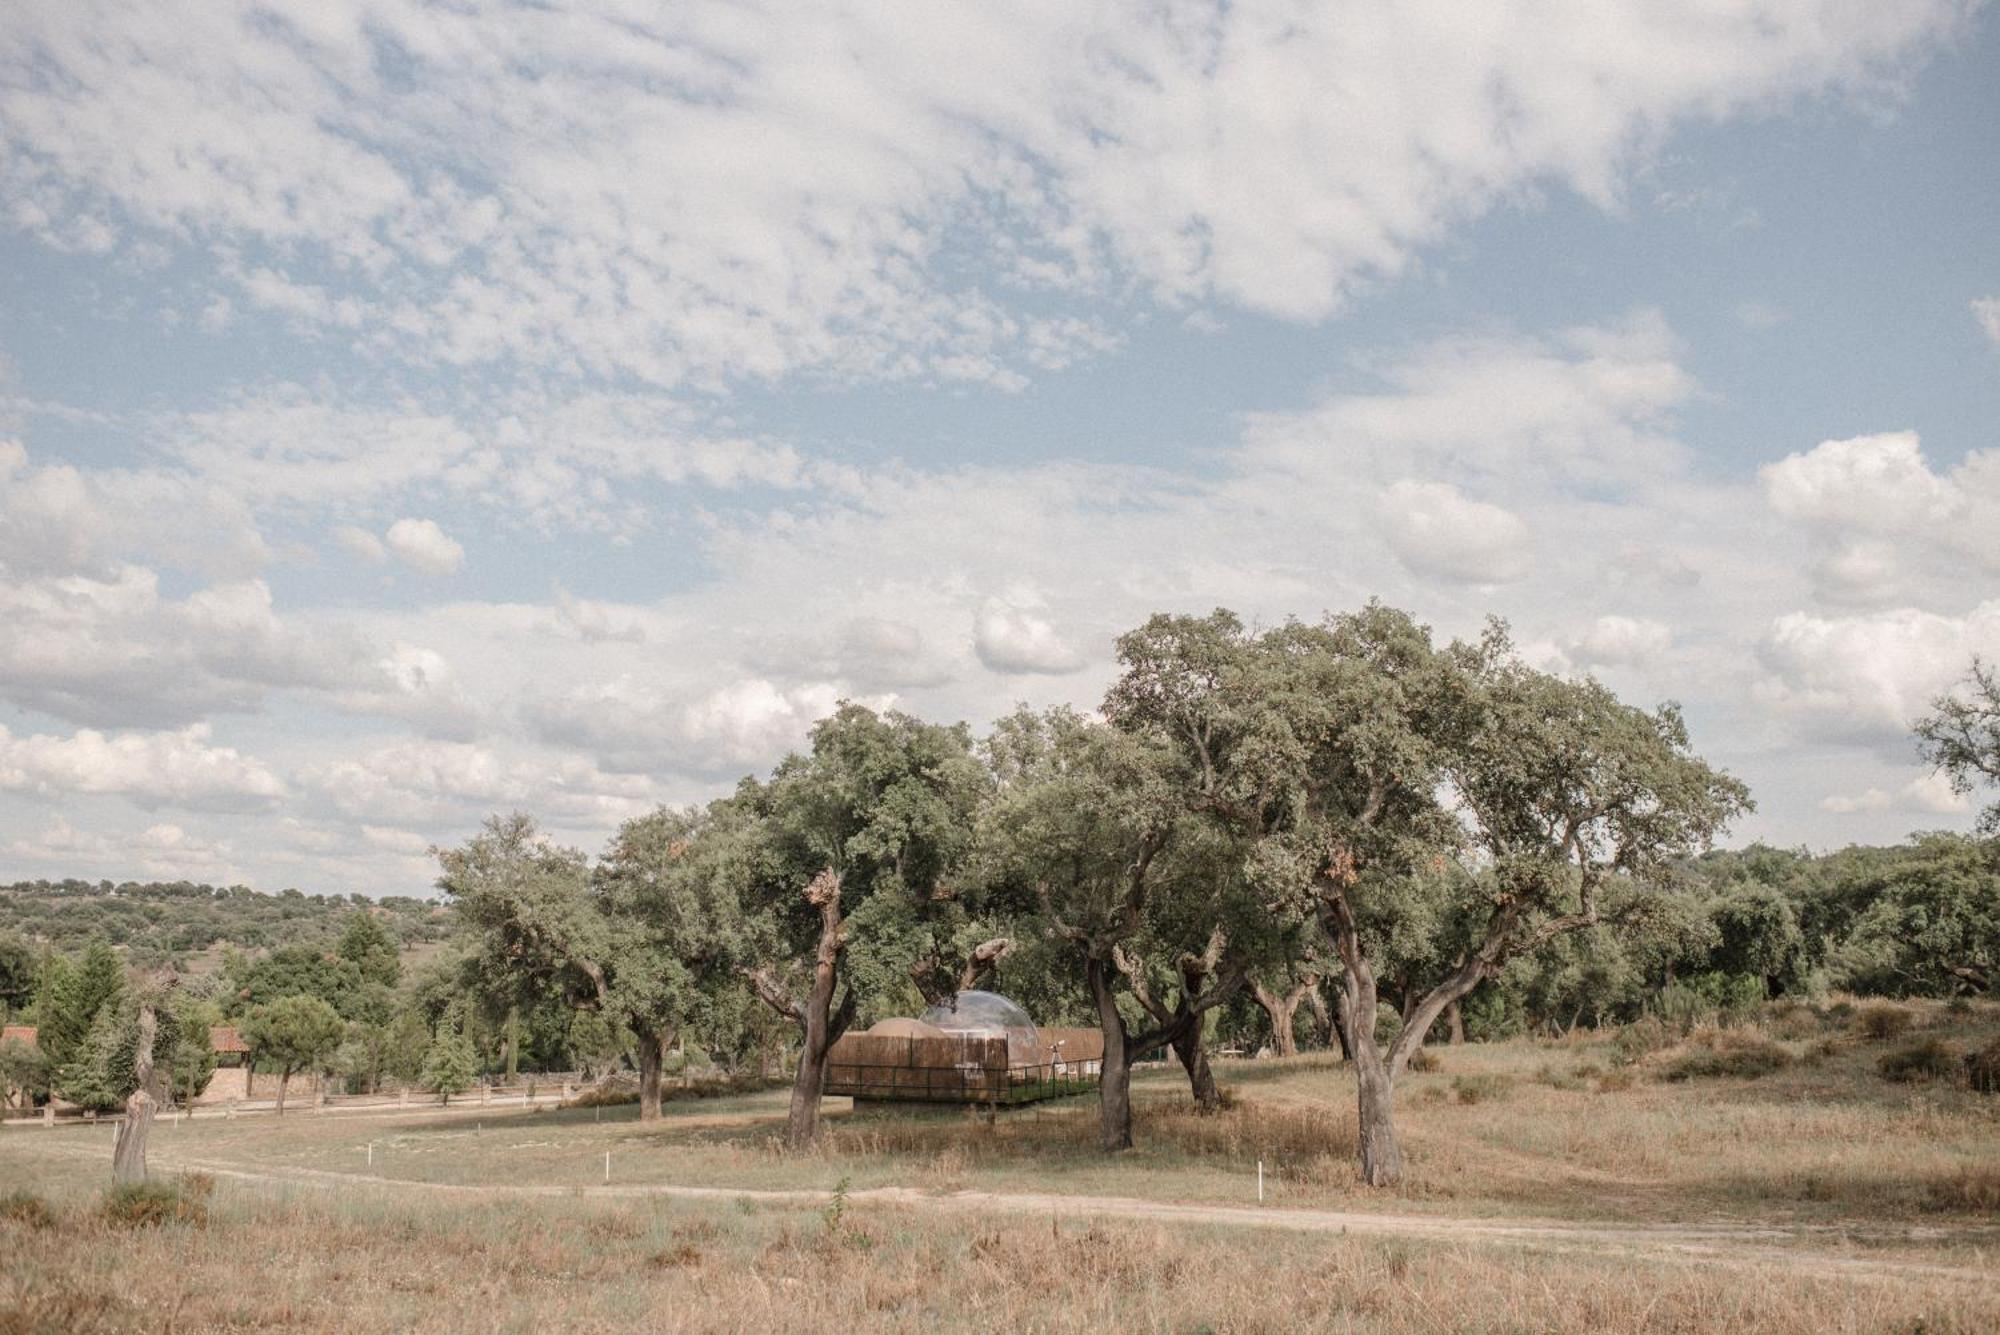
x=284 y=1080
x=1343 y=1022
x=1191 y=1046
x=1375 y=1084
x=1282 y=1010
x=1114 y=1086
x=1456 y=1019
x=652 y=1056
x=1325 y=1032
x=1381 y=1153
x=128 y=1152
x=820 y=1024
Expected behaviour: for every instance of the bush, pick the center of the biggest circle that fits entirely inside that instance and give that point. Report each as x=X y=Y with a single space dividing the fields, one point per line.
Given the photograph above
x=1975 y=1189
x=1614 y=1082
x=1982 y=1068
x=1481 y=1088
x=152 y=1204
x=1795 y=1020
x=1881 y=1020
x=1742 y=1054
x=1925 y=1059
x=26 y=1208
x=1641 y=1038
x=611 y=1092
x=1423 y=1059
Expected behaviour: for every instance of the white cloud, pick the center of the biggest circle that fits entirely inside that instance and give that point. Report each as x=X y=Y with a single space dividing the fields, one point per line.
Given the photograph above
x=1437 y=530
x=1877 y=483
x=426 y=783
x=115 y=651
x=1874 y=674
x=1013 y=640
x=1986 y=310
x=421 y=545
x=56 y=519
x=152 y=769
x=1931 y=794
x=1620 y=641
x=361 y=544
x=1875 y=513
x=706 y=192
x=162 y=852
x=633 y=727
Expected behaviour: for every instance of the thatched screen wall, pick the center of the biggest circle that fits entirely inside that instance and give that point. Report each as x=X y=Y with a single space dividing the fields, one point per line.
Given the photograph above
x=965 y=1067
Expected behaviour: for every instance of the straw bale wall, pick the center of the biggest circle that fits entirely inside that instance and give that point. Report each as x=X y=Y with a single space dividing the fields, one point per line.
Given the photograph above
x=961 y=1067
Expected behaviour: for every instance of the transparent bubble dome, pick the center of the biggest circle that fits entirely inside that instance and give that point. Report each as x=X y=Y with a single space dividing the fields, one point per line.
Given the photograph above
x=978 y=1012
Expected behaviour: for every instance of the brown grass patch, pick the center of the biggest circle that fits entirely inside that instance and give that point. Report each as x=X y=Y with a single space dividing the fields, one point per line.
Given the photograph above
x=1925 y=1059
x=1882 y=1020
x=1743 y=1054
x=1973 y=1189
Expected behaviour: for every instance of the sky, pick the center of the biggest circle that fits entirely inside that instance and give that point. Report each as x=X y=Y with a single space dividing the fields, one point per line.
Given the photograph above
x=412 y=412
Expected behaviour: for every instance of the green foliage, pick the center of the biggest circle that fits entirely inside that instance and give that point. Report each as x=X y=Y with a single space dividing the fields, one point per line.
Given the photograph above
x=99 y=1075
x=370 y=948
x=293 y=1033
x=289 y=971
x=23 y=1068
x=1961 y=736
x=18 y=970
x=70 y=995
x=174 y=923
x=451 y=1063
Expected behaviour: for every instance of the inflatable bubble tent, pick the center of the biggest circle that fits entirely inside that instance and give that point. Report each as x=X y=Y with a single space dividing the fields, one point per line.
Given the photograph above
x=973 y=1047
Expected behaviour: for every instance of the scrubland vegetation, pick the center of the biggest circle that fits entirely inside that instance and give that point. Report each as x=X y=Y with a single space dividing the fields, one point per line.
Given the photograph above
x=1814 y=1193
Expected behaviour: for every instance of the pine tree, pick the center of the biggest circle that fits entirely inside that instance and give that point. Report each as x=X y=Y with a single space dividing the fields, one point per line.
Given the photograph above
x=98 y=1077
x=452 y=1062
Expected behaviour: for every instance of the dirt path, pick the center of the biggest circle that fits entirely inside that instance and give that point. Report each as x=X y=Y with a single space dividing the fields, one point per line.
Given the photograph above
x=1813 y=1249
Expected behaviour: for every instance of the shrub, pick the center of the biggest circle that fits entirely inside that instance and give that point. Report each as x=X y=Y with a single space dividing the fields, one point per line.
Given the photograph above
x=1925 y=1059
x=26 y=1208
x=1643 y=1037
x=1881 y=1020
x=1480 y=1088
x=1423 y=1059
x=1982 y=1068
x=1974 y=1188
x=1795 y=1020
x=1614 y=1082
x=1741 y=1053
x=152 y=1204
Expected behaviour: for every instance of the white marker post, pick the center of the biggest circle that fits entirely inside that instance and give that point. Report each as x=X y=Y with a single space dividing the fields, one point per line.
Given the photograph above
x=371 y=1154
x=1260 y=1182
x=607 y=1165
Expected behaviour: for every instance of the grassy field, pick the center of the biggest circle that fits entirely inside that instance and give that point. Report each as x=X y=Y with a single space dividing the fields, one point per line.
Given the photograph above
x=1818 y=1195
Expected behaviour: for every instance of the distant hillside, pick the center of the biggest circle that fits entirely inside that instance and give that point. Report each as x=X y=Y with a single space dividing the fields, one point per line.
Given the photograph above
x=188 y=925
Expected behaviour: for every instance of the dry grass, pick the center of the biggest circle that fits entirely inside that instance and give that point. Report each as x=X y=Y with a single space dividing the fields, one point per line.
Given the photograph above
x=366 y=1263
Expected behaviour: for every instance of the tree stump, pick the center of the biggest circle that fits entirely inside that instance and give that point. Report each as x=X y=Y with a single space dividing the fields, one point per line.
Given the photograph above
x=128 y=1152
